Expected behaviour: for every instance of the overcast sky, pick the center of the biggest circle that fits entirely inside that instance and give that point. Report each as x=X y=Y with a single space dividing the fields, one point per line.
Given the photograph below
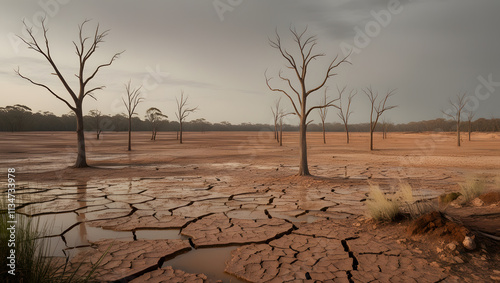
x=217 y=52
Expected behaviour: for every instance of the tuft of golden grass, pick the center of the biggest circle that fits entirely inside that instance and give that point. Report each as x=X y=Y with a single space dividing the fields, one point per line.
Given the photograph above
x=472 y=188
x=380 y=207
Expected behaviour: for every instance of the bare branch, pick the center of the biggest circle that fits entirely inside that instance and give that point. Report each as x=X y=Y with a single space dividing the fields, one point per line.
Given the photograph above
x=46 y=87
x=329 y=73
x=282 y=91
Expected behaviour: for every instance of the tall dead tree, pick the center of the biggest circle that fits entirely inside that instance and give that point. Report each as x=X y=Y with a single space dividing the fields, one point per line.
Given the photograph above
x=154 y=116
x=344 y=116
x=470 y=116
x=183 y=112
x=322 y=114
x=378 y=107
x=280 y=118
x=299 y=64
x=456 y=111
x=133 y=97
x=96 y=116
x=276 y=113
x=85 y=48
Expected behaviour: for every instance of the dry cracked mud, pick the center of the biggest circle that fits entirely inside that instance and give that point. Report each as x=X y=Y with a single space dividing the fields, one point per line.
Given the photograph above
x=147 y=209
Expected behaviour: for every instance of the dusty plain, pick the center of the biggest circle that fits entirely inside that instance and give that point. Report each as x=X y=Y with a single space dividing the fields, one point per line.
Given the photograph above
x=239 y=189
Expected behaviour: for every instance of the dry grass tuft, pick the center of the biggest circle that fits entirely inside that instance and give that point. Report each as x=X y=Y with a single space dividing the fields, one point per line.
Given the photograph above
x=472 y=188
x=380 y=207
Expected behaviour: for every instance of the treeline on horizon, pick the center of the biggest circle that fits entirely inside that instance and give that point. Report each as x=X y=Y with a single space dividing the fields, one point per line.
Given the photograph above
x=21 y=118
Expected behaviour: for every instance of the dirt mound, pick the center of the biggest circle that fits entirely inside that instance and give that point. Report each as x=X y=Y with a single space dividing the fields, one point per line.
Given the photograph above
x=435 y=224
x=490 y=198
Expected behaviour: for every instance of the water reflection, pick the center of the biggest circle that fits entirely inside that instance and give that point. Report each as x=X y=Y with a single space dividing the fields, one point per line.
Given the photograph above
x=195 y=261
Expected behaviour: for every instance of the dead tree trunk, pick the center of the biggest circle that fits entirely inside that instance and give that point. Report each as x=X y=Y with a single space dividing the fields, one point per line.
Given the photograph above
x=183 y=112
x=129 y=134
x=299 y=66
x=303 y=166
x=133 y=99
x=85 y=48
x=324 y=136
x=378 y=110
x=81 y=159
x=345 y=115
x=456 y=112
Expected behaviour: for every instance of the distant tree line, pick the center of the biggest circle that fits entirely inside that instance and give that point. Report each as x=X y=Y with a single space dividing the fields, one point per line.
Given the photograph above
x=21 y=118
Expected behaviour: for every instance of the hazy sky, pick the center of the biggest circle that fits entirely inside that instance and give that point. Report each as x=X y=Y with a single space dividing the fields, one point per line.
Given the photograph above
x=217 y=52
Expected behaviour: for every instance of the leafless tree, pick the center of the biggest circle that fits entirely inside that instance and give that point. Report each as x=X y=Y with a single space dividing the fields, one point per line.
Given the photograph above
x=470 y=116
x=183 y=112
x=456 y=111
x=280 y=118
x=385 y=128
x=298 y=93
x=276 y=113
x=133 y=99
x=154 y=116
x=96 y=115
x=85 y=48
x=344 y=116
x=378 y=107
x=322 y=113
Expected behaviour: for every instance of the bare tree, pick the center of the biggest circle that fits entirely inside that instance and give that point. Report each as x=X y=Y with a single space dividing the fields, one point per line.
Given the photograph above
x=322 y=114
x=385 y=128
x=183 y=112
x=154 y=116
x=377 y=108
x=276 y=113
x=344 y=116
x=456 y=111
x=133 y=99
x=299 y=64
x=85 y=48
x=280 y=118
x=96 y=115
x=470 y=116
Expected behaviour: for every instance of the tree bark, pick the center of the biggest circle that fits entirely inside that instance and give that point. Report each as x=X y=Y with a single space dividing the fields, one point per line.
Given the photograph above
x=371 y=139
x=81 y=159
x=281 y=133
x=347 y=133
x=180 y=133
x=324 y=137
x=129 y=134
x=458 y=132
x=303 y=167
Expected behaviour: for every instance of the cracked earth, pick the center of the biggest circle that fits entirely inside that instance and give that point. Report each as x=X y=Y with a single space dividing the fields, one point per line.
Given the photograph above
x=143 y=213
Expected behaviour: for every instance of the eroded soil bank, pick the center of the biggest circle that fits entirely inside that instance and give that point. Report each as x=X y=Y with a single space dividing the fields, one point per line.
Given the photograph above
x=236 y=194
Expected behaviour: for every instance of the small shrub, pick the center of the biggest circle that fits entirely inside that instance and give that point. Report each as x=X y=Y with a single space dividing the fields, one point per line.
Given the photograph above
x=472 y=188
x=380 y=207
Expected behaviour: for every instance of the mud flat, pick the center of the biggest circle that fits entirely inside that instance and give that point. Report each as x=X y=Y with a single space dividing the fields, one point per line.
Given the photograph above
x=235 y=196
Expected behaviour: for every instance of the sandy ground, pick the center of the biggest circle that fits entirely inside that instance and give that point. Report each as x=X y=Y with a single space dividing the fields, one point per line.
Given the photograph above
x=246 y=176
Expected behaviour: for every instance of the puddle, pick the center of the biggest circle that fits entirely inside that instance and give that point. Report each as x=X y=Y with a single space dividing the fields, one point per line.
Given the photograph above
x=83 y=234
x=53 y=224
x=209 y=261
x=54 y=245
x=170 y=234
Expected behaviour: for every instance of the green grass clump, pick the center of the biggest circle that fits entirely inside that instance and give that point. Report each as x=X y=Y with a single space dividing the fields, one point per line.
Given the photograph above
x=472 y=188
x=380 y=207
x=34 y=260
